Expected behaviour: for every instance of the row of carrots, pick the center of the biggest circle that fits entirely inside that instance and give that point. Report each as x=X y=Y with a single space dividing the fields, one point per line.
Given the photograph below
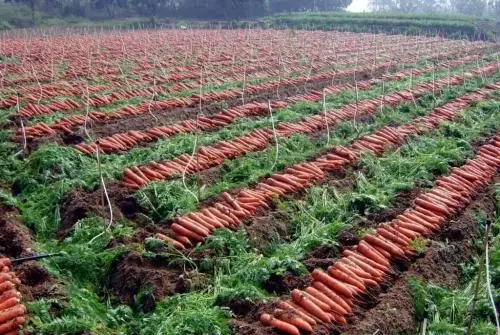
x=65 y=125
x=209 y=156
x=13 y=313
x=63 y=88
x=32 y=110
x=125 y=141
x=331 y=296
x=231 y=212
x=79 y=64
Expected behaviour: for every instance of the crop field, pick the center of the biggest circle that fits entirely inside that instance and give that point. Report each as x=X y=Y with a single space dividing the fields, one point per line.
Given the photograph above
x=249 y=182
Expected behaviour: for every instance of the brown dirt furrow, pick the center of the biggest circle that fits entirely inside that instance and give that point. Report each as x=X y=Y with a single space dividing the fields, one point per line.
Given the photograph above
x=16 y=241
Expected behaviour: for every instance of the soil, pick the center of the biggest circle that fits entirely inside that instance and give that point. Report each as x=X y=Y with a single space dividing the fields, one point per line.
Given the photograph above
x=140 y=281
x=15 y=241
x=440 y=265
x=78 y=204
x=284 y=284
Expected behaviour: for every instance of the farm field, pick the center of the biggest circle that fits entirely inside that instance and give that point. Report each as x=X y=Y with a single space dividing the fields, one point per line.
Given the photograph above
x=248 y=181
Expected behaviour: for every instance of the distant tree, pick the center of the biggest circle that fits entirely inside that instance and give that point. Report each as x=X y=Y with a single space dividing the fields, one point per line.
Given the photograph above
x=32 y=4
x=469 y=7
x=407 y=6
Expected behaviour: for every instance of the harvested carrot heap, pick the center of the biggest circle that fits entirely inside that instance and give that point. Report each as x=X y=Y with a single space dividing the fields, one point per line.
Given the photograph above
x=12 y=311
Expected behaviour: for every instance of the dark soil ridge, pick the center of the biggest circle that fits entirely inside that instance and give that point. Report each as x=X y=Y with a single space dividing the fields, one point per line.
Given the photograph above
x=16 y=241
x=392 y=311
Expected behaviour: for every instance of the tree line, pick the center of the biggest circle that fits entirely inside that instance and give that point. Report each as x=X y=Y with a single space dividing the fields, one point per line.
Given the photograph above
x=197 y=9
x=465 y=7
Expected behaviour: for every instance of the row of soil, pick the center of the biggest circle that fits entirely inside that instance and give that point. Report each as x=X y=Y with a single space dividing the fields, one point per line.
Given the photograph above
x=16 y=241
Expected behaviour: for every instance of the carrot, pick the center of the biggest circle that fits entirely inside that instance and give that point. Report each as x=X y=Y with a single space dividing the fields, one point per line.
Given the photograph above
x=200 y=219
x=332 y=283
x=406 y=232
x=293 y=319
x=225 y=220
x=6 y=286
x=298 y=310
x=415 y=227
x=318 y=302
x=344 y=277
x=363 y=259
x=339 y=300
x=210 y=218
x=9 y=294
x=170 y=240
x=12 y=325
x=302 y=300
x=177 y=228
x=4 y=261
x=368 y=251
x=193 y=226
x=388 y=246
x=325 y=299
x=435 y=208
x=279 y=325
x=388 y=234
x=9 y=303
x=356 y=273
x=12 y=313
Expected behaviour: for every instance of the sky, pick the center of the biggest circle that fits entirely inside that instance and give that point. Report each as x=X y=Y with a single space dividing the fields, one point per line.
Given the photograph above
x=358 y=6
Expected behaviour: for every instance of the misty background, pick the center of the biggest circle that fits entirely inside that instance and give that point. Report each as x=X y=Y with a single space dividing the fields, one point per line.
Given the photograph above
x=227 y=9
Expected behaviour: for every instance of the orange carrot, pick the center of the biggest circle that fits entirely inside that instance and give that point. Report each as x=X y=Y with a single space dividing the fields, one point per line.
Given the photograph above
x=193 y=226
x=344 y=277
x=336 y=308
x=388 y=246
x=11 y=326
x=363 y=259
x=279 y=325
x=302 y=300
x=440 y=210
x=12 y=313
x=368 y=251
x=332 y=283
x=9 y=303
x=177 y=228
x=297 y=309
x=339 y=300
x=6 y=286
x=293 y=319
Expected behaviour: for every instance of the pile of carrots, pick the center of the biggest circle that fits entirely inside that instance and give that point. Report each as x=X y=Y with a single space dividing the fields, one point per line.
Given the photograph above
x=332 y=294
x=231 y=212
x=209 y=156
x=12 y=312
